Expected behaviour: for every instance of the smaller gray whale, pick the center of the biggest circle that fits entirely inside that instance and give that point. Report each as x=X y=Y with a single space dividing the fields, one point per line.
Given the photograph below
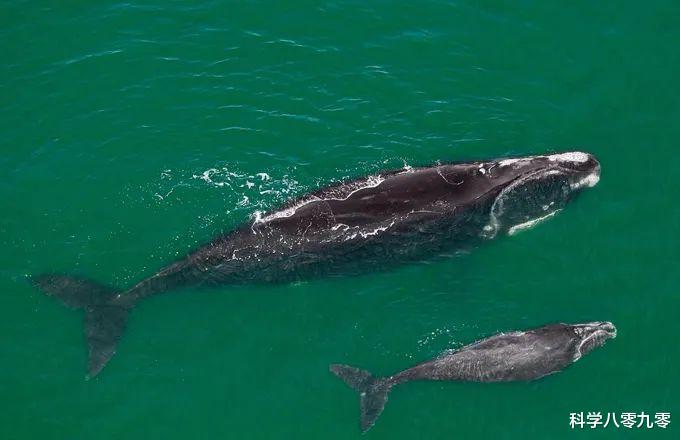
x=505 y=357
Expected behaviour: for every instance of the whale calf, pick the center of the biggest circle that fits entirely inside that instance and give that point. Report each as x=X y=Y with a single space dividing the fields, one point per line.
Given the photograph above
x=352 y=227
x=516 y=356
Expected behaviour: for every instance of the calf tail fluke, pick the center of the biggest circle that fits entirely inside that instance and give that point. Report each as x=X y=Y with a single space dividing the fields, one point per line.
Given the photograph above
x=105 y=313
x=372 y=391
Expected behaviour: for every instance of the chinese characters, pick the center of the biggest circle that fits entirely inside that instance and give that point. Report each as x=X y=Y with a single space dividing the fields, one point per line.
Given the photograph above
x=629 y=420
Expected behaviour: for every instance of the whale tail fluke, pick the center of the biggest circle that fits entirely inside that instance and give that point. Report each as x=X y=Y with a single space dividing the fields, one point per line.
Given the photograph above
x=372 y=391
x=104 y=318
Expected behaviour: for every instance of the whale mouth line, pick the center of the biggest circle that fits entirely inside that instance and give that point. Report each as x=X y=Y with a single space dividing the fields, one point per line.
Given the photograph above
x=531 y=223
x=599 y=335
x=576 y=179
x=493 y=225
x=588 y=181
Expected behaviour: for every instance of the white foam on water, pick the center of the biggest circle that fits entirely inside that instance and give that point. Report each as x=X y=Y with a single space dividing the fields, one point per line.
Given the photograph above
x=206 y=176
x=531 y=223
x=244 y=201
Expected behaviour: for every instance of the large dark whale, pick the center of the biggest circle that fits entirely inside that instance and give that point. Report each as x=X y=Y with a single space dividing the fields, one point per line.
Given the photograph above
x=516 y=356
x=351 y=227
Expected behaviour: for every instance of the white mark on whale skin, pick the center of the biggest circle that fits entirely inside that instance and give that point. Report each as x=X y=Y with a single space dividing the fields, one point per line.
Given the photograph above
x=365 y=234
x=447 y=180
x=342 y=226
x=531 y=223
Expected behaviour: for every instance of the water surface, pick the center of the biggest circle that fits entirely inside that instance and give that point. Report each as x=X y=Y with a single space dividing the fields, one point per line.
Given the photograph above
x=132 y=132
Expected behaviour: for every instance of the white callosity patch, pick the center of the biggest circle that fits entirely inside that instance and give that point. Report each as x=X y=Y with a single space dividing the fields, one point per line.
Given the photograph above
x=531 y=223
x=506 y=162
x=572 y=156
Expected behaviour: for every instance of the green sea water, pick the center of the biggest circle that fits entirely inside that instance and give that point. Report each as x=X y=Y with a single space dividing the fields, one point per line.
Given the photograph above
x=133 y=132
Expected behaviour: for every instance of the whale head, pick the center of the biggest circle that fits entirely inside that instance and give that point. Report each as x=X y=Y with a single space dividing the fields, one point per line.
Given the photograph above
x=534 y=188
x=590 y=335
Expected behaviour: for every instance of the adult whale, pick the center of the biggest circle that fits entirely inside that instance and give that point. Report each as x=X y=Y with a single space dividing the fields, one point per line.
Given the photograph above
x=354 y=226
x=506 y=357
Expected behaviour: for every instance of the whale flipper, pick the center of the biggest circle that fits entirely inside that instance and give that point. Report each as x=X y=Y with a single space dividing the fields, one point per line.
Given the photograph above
x=104 y=318
x=372 y=391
